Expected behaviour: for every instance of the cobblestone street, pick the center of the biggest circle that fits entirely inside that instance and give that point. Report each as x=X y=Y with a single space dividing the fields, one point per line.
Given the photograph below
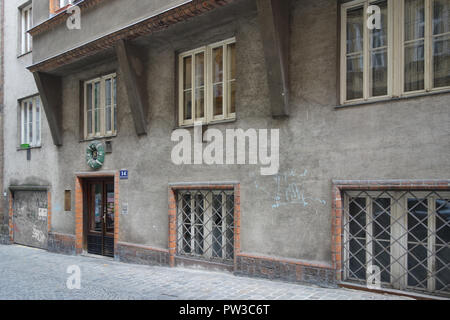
x=28 y=273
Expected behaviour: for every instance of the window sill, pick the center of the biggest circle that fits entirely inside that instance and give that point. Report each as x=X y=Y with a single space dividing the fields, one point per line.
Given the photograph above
x=405 y=97
x=206 y=124
x=24 y=54
x=30 y=148
x=98 y=138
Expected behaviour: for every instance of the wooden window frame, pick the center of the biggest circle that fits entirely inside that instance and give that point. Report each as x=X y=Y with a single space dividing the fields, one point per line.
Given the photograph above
x=25 y=24
x=396 y=52
x=36 y=123
x=103 y=132
x=209 y=117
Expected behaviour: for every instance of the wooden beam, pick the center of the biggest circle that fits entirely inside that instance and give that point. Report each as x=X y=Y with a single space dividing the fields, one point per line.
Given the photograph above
x=134 y=76
x=274 y=24
x=50 y=91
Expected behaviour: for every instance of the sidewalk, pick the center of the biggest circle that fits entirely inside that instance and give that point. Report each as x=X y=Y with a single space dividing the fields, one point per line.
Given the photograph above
x=27 y=273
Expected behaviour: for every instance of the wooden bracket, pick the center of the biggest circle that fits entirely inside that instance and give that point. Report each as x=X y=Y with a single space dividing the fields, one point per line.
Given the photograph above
x=274 y=24
x=50 y=91
x=134 y=77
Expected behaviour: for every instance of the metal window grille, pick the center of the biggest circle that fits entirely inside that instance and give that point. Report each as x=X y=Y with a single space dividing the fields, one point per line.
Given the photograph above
x=406 y=234
x=205 y=224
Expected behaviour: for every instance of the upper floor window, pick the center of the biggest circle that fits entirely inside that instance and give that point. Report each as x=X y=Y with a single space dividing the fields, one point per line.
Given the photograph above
x=30 y=122
x=59 y=5
x=26 y=22
x=408 y=54
x=100 y=107
x=207 y=83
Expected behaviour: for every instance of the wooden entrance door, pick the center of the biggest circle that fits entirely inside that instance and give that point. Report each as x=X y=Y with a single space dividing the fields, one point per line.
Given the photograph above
x=100 y=206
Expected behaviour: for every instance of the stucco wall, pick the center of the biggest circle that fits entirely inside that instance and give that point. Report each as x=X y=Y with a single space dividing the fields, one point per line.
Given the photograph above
x=405 y=139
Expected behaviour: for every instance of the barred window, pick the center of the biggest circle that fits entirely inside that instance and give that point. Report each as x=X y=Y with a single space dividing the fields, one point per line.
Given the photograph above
x=205 y=224
x=405 y=234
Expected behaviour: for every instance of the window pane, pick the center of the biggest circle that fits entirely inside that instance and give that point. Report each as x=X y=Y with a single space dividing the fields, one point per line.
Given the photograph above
x=217 y=65
x=38 y=121
x=97 y=106
x=199 y=85
x=187 y=86
x=441 y=16
x=357 y=234
x=355 y=34
x=443 y=221
x=217 y=226
x=441 y=61
x=187 y=71
x=379 y=56
x=355 y=67
x=89 y=108
x=381 y=233
x=379 y=73
x=417 y=242
x=30 y=122
x=25 y=122
x=232 y=61
x=115 y=103
x=108 y=100
x=218 y=99
x=231 y=78
x=414 y=19
x=187 y=105
x=379 y=37
x=200 y=102
x=414 y=66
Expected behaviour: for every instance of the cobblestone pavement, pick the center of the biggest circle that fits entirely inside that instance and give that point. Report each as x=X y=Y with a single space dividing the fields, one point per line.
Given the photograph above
x=27 y=273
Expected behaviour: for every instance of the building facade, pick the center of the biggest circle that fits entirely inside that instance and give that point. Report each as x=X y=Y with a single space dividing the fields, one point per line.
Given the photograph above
x=99 y=99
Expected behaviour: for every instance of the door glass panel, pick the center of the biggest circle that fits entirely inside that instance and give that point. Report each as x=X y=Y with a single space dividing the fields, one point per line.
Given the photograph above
x=97 y=198
x=110 y=208
x=417 y=242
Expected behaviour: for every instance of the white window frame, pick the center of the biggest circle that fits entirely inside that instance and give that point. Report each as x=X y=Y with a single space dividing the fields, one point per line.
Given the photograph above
x=36 y=123
x=26 y=23
x=209 y=117
x=103 y=132
x=396 y=52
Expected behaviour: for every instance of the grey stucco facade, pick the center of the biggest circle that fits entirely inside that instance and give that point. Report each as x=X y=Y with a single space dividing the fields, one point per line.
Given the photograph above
x=405 y=139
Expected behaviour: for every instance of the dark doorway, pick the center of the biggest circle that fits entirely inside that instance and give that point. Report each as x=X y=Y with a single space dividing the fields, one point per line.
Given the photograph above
x=100 y=214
